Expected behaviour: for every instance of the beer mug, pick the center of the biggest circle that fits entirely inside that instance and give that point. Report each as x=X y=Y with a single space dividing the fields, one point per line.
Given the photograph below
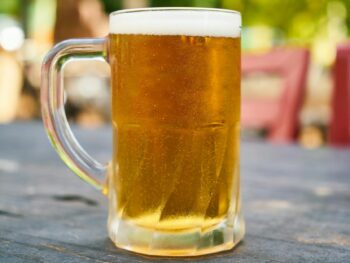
x=173 y=182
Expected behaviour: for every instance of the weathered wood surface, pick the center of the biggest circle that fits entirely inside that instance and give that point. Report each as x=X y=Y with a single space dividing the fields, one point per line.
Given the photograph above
x=296 y=204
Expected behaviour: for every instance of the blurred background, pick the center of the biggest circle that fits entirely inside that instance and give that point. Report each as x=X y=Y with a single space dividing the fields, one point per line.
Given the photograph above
x=29 y=28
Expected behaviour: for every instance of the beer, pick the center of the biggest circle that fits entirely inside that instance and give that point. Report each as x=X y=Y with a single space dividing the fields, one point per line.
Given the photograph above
x=175 y=113
x=173 y=182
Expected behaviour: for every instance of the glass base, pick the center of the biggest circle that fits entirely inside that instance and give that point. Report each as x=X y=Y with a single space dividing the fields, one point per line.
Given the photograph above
x=221 y=237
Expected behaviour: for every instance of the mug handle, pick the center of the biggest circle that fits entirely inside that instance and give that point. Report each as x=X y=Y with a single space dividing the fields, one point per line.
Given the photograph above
x=52 y=106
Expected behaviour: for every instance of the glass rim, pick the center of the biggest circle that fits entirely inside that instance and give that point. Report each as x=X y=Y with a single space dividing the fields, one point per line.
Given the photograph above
x=196 y=9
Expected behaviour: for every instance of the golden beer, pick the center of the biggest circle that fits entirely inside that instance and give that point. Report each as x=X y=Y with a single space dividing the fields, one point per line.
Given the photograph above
x=174 y=185
x=176 y=108
x=173 y=182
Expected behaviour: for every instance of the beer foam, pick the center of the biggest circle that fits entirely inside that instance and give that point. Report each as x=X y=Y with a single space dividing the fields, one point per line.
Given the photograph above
x=177 y=21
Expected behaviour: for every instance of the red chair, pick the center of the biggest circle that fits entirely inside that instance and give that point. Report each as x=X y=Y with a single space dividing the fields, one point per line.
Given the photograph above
x=279 y=117
x=339 y=131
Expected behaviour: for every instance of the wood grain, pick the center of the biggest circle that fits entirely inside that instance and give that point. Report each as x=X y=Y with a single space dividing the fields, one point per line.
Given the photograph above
x=296 y=203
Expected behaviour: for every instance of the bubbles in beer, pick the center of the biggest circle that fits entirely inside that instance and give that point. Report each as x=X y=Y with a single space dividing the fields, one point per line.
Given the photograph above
x=176 y=107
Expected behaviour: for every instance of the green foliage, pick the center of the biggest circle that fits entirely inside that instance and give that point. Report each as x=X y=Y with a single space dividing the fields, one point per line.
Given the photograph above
x=185 y=3
x=298 y=19
x=111 y=5
x=10 y=7
x=166 y=3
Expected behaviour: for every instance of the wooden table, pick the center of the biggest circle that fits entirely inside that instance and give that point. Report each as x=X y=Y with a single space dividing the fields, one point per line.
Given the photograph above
x=296 y=203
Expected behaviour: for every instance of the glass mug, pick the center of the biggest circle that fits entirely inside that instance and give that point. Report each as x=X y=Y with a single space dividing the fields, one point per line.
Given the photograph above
x=173 y=182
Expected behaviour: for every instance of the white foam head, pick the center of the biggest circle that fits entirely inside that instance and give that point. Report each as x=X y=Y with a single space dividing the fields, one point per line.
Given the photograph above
x=176 y=21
